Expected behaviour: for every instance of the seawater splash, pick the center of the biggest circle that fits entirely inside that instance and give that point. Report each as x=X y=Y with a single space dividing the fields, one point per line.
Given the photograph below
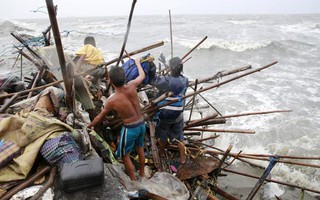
x=232 y=45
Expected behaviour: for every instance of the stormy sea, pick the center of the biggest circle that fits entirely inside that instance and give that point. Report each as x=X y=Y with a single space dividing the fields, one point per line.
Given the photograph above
x=233 y=41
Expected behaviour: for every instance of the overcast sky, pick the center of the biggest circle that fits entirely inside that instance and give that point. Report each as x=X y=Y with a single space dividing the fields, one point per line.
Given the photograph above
x=17 y=9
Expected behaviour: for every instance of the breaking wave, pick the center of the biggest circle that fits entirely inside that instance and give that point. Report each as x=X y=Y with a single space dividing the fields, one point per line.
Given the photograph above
x=241 y=45
x=235 y=45
x=241 y=22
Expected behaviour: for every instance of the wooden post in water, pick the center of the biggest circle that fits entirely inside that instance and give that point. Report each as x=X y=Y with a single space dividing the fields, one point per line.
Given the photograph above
x=57 y=39
x=171 y=41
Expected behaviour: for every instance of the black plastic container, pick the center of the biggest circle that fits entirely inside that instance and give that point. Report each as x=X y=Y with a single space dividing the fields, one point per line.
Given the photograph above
x=82 y=174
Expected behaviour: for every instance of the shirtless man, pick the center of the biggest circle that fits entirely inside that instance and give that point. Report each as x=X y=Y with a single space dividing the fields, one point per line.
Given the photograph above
x=125 y=102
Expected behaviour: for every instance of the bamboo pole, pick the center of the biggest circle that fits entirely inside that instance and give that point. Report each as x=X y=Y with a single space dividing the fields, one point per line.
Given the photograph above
x=57 y=39
x=26 y=183
x=127 y=32
x=36 y=80
x=183 y=57
x=208 y=138
x=253 y=113
x=193 y=99
x=8 y=103
x=135 y=52
x=265 y=159
x=225 y=155
x=171 y=41
x=221 y=74
x=257 y=186
x=221 y=130
x=192 y=123
x=215 y=85
x=47 y=185
x=154 y=148
x=272 y=180
x=224 y=194
x=209 y=122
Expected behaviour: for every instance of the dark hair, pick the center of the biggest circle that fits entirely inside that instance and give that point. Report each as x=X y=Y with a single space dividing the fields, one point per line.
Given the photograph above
x=117 y=76
x=176 y=66
x=89 y=40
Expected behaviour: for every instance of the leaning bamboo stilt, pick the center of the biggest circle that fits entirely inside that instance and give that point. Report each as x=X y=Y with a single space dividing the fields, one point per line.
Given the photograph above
x=62 y=61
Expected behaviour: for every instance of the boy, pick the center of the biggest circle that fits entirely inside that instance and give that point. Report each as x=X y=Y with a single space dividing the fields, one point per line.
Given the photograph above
x=125 y=102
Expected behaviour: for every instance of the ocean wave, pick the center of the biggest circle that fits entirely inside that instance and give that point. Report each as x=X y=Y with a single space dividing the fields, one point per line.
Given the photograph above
x=235 y=45
x=241 y=22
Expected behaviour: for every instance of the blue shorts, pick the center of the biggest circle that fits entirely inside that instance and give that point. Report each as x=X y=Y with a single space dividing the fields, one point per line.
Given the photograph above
x=171 y=131
x=130 y=136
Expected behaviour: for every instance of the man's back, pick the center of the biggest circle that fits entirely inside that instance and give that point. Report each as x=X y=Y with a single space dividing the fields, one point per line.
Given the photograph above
x=126 y=102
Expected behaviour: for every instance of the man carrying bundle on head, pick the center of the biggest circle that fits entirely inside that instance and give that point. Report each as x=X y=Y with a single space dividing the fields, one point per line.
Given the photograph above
x=170 y=117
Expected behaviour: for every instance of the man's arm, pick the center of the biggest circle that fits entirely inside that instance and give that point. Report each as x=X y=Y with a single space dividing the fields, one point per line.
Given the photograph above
x=80 y=61
x=101 y=115
x=137 y=81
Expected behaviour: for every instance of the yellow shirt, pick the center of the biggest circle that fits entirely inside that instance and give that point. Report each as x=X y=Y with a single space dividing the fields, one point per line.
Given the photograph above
x=92 y=55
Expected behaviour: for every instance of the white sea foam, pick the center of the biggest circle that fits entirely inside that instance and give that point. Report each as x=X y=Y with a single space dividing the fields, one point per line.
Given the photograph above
x=232 y=45
x=242 y=22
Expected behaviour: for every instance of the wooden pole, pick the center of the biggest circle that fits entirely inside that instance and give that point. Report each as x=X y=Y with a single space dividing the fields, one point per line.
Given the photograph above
x=257 y=186
x=154 y=148
x=26 y=183
x=193 y=99
x=8 y=103
x=253 y=113
x=57 y=39
x=183 y=57
x=36 y=80
x=127 y=32
x=171 y=41
x=221 y=130
x=29 y=90
x=221 y=74
x=47 y=185
x=191 y=123
x=135 y=52
x=272 y=180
